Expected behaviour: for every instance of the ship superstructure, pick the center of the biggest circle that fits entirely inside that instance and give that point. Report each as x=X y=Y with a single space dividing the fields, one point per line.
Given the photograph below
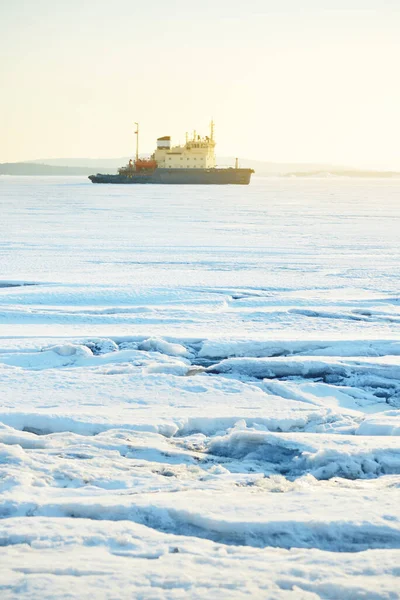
x=192 y=163
x=197 y=153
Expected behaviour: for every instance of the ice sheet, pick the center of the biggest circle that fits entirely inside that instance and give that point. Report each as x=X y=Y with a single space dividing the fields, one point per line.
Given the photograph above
x=200 y=389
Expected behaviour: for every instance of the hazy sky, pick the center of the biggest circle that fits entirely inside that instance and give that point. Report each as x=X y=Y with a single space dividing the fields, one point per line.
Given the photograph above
x=284 y=80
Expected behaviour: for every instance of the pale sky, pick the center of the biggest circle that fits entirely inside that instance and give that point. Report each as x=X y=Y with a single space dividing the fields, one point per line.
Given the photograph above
x=284 y=80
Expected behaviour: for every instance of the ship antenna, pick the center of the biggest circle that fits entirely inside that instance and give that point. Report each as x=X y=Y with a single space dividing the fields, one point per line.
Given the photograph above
x=212 y=130
x=137 y=140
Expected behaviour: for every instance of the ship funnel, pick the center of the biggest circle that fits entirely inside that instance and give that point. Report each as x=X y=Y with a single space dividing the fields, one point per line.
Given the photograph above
x=164 y=142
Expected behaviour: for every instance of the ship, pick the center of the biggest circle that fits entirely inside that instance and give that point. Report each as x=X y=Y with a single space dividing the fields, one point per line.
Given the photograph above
x=191 y=163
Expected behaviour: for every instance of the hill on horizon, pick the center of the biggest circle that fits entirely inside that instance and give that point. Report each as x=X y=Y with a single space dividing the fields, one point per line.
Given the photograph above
x=261 y=167
x=90 y=166
x=30 y=168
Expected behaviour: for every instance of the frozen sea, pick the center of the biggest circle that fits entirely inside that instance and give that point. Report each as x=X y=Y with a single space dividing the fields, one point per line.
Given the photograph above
x=200 y=390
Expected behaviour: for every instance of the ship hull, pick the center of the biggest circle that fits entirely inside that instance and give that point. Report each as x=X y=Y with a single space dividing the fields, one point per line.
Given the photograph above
x=180 y=177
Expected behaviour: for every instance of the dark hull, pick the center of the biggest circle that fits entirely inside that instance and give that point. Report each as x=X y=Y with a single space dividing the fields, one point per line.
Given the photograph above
x=180 y=176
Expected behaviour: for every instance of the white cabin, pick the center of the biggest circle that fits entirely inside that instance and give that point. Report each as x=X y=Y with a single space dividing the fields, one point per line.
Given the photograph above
x=197 y=153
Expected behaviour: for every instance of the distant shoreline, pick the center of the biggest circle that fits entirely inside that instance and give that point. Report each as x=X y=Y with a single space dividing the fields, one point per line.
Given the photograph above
x=39 y=169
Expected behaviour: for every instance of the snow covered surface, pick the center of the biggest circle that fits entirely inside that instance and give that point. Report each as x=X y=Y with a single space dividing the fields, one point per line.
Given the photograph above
x=200 y=390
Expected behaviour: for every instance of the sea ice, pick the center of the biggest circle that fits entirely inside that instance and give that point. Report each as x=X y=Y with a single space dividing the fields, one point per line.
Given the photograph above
x=199 y=390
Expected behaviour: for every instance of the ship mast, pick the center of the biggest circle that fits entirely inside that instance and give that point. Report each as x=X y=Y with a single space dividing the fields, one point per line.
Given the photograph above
x=137 y=140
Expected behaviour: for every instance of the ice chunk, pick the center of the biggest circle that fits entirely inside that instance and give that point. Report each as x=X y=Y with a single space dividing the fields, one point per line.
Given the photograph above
x=71 y=350
x=160 y=345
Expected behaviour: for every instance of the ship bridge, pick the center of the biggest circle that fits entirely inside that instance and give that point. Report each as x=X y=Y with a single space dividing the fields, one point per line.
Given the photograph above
x=197 y=153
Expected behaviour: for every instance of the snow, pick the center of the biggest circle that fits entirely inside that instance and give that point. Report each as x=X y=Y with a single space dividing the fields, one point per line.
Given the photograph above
x=200 y=390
